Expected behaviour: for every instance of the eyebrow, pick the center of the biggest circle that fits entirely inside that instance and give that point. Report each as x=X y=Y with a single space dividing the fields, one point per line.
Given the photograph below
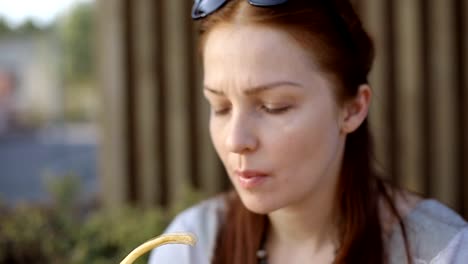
x=257 y=89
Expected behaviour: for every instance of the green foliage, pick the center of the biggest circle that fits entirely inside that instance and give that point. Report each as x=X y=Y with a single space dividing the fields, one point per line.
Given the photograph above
x=108 y=237
x=76 y=36
x=31 y=235
x=71 y=39
x=4 y=27
x=28 y=27
x=68 y=234
x=35 y=235
x=64 y=190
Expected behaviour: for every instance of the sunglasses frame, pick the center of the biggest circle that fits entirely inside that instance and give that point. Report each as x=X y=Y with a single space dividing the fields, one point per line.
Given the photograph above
x=203 y=8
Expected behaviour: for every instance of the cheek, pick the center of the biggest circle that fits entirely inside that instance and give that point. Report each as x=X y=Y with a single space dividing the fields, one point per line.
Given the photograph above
x=309 y=141
x=214 y=135
x=217 y=138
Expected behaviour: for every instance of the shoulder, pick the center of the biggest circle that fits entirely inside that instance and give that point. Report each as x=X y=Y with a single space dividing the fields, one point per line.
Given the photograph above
x=200 y=216
x=456 y=251
x=202 y=220
x=432 y=228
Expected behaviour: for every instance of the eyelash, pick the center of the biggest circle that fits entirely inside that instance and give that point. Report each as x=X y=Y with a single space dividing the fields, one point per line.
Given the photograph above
x=221 y=112
x=273 y=111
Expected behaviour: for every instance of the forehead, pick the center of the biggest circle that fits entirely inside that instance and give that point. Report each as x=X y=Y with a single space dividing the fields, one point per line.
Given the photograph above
x=253 y=53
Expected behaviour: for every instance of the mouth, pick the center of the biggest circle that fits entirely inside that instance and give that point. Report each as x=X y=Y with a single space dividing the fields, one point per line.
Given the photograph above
x=250 y=179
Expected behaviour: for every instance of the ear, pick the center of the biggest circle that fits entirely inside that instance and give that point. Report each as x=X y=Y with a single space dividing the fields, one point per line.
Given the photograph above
x=355 y=110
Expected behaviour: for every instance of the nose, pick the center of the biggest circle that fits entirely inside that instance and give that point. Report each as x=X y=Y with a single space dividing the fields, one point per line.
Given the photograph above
x=241 y=136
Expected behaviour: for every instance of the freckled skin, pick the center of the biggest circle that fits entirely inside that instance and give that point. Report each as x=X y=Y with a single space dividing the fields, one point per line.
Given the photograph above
x=300 y=148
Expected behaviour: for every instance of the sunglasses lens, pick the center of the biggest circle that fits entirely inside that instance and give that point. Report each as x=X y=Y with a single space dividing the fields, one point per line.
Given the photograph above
x=202 y=8
x=267 y=2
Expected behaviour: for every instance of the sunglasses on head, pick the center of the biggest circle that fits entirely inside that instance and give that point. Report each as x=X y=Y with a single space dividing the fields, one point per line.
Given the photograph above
x=202 y=8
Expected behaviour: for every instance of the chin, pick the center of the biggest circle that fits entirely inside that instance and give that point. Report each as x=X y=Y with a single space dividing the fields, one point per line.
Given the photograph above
x=257 y=204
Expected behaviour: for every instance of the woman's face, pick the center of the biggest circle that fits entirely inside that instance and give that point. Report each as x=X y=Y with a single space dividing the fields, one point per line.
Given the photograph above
x=274 y=121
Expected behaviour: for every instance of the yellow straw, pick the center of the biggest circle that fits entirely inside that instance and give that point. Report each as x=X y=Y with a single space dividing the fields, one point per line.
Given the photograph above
x=174 y=238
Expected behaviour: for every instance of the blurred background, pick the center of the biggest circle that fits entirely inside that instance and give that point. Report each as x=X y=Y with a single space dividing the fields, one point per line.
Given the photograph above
x=103 y=127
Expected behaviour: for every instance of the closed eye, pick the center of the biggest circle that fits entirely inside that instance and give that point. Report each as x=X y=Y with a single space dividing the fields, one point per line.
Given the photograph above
x=221 y=111
x=275 y=110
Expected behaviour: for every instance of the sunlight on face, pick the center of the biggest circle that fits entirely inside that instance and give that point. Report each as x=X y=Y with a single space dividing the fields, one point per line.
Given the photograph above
x=274 y=120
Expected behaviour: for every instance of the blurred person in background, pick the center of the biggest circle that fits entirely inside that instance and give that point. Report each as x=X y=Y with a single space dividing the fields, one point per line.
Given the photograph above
x=289 y=96
x=6 y=92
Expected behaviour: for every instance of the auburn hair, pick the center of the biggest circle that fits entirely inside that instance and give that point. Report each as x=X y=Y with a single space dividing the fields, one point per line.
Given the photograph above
x=332 y=33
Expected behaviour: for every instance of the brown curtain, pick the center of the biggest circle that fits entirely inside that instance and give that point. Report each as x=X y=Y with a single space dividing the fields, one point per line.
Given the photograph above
x=155 y=136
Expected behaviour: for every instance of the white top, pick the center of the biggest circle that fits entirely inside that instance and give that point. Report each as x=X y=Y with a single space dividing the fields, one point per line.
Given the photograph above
x=437 y=235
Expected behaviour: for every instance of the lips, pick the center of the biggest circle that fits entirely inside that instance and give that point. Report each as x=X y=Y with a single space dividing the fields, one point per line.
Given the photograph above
x=250 y=179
